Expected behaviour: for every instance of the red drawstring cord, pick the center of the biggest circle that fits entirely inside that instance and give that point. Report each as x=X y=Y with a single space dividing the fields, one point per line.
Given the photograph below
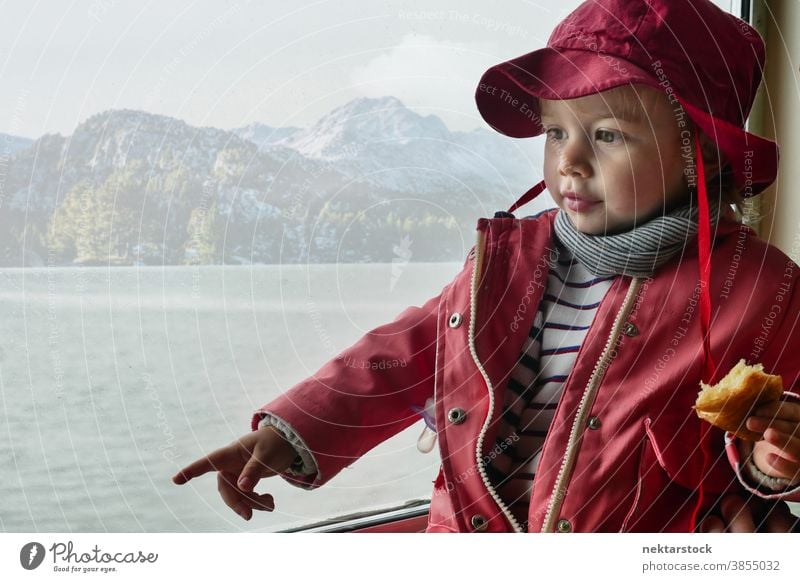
x=532 y=193
x=704 y=256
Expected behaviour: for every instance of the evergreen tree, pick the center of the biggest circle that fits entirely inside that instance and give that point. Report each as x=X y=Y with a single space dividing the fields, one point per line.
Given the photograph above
x=95 y=225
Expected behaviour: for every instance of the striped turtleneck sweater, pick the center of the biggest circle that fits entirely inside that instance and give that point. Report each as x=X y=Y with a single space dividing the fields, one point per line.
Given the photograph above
x=567 y=309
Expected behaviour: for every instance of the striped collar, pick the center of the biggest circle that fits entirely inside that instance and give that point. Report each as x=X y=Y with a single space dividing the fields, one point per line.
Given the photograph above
x=639 y=251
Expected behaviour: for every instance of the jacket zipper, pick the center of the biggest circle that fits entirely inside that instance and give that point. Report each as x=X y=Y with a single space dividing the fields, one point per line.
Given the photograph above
x=579 y=424
x=473 y=304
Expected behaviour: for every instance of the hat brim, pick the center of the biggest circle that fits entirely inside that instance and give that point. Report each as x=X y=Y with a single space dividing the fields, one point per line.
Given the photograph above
x=505 y=91
x=508 y=93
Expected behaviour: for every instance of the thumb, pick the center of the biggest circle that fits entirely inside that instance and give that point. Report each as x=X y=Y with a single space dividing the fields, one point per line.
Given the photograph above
x=264 y=462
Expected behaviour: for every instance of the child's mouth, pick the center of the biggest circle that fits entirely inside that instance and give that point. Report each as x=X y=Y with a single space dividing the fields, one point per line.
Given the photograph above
x=578 y=204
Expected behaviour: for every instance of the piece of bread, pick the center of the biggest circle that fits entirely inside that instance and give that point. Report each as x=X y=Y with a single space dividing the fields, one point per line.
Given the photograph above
x=728 y=403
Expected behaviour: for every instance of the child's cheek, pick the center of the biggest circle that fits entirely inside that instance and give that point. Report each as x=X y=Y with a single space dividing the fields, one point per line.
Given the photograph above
x=551 y=171
x=620 y=209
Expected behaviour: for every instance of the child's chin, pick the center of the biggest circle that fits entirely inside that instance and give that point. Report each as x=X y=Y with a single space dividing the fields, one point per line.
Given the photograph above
x=587 y=226
x=600 y=225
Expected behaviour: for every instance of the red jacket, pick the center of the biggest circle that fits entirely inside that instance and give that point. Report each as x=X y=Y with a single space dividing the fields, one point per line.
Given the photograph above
x=622 y=453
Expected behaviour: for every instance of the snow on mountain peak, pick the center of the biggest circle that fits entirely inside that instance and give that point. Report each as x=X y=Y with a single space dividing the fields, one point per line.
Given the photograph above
x=365 y=122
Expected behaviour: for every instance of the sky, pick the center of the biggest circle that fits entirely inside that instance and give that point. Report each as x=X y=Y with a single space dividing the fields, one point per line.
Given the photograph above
x=230 y=63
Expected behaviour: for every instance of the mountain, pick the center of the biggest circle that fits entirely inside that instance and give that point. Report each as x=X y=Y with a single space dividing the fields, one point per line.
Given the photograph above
x=264 y=135
x=370 y=177
x=364 y=122
x=383 y=142
x=11 y=144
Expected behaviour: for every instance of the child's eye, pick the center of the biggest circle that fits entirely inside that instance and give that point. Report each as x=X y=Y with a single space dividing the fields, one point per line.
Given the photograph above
x=608 y=136
x=554 y=133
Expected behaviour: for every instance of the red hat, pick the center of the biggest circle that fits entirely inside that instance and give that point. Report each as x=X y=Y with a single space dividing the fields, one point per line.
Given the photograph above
x=701 y=56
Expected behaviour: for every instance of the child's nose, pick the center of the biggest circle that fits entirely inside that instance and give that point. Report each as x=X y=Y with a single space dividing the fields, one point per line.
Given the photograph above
x=575 y=158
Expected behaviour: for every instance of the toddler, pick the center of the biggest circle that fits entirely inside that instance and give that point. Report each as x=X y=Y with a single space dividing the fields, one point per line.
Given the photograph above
x=559 y=368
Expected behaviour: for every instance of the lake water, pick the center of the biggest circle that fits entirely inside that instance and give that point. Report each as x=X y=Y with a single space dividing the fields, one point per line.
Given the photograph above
x=112 y=379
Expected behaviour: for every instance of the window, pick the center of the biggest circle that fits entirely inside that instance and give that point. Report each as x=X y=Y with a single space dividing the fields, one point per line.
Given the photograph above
x=204 y=206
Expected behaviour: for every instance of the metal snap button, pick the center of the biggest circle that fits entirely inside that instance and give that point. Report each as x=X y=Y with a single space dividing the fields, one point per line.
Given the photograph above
x=455 y=320
x=594 y=422
x=630 y=330
x=456 y=415
x=479 y=523
x=564 y=526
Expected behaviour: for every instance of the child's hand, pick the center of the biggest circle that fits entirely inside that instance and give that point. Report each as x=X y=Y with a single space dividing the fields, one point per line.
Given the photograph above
x=239 y=467
x=778 y=455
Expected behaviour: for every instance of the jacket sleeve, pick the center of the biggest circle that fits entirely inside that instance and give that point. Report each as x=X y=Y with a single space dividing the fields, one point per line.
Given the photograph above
x=361 y=397
x=780 y=357
x=304 y=463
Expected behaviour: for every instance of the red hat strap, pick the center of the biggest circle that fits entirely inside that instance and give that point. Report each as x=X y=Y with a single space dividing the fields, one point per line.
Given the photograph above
x=528 y=196
x=704 y=256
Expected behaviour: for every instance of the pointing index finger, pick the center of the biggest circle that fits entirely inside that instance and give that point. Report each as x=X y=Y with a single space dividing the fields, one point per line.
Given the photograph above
x=214 y=461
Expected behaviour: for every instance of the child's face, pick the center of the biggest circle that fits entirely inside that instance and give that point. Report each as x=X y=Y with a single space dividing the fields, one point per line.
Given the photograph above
x=613 y=159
